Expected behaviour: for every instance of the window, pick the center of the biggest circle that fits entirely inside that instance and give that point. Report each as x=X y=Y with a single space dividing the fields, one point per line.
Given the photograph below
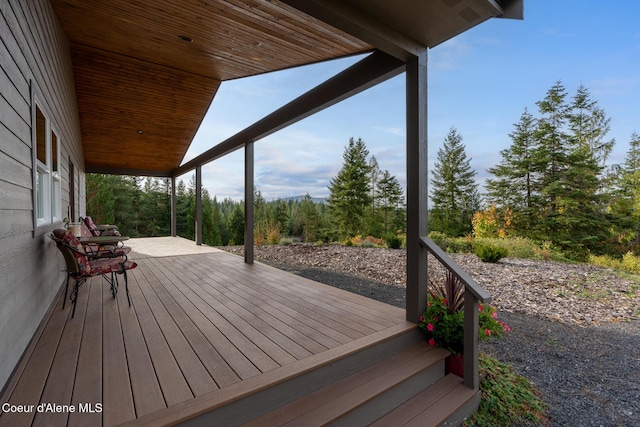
x=47 y=170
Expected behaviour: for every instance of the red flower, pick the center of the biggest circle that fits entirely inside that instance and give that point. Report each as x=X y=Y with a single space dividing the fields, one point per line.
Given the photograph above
x=429 y=327
x=432 y=342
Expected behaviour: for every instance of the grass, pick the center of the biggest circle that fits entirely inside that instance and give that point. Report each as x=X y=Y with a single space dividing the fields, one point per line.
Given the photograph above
x=508 y=399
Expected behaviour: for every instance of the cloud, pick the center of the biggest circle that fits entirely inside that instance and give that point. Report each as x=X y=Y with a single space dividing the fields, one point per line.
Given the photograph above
x=614 y=85
x=397 y=131
x=448 y=55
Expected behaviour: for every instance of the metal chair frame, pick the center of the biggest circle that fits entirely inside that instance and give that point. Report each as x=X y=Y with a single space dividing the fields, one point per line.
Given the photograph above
x=73 y=269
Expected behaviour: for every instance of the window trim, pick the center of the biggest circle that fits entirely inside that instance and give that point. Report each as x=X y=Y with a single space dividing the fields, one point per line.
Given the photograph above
x=46 y=211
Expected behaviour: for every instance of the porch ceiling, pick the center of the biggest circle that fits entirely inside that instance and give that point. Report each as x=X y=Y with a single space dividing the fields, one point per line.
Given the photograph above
x=147 y=71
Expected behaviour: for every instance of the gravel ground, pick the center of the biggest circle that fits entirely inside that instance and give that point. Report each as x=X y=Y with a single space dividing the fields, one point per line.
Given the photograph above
x=588 y=374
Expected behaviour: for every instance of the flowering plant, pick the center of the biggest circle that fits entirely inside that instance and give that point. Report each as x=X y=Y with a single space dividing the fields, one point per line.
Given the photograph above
x=443 y=324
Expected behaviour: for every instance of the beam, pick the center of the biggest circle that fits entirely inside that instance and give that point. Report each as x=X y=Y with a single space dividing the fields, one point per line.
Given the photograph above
x=132 y=172
x=417 y=177
x=368 y=72
x=356 y=22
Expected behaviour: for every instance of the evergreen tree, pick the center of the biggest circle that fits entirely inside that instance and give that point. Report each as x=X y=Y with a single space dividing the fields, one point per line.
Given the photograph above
x=183 y=202
x=218 y=224
x=629 y=189
x=516 y=184
x=589 y=126
x=454 y=192
x=390 y=198
x=551 y=177
x=350 y=195
x=236 y=225
x=551 y=149
x=309 y=219
x=374 y=218
x=100 y=200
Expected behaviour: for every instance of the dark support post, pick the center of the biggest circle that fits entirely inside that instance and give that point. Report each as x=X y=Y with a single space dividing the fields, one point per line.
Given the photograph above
x=248 y=203
x=416 y=75
x=174 y=210
x=199 y=205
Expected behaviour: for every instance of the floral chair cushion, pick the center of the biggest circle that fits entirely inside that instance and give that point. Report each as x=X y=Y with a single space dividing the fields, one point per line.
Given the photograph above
x=68 y=238
x=91 y=225
x=110 y=265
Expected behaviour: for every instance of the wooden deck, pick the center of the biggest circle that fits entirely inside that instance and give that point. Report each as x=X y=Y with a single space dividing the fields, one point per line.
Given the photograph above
x=204 y=328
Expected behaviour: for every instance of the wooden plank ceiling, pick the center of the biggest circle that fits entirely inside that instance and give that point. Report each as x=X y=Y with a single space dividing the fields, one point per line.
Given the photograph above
x=146 y=71
x=142 y=90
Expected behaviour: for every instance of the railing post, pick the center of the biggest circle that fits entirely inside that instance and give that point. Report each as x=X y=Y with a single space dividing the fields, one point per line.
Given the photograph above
x=471 y=378
x=473 y=294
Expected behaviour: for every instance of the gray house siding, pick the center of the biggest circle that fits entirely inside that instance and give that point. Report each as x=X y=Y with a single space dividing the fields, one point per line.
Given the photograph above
x=35 y=64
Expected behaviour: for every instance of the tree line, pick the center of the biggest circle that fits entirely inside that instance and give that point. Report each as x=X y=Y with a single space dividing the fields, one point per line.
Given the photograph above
x=552 y=184
x=363 y=201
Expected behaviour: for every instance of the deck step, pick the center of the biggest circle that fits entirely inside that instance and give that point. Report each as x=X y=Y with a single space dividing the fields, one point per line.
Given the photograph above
x=365 y=396
x=447 y=402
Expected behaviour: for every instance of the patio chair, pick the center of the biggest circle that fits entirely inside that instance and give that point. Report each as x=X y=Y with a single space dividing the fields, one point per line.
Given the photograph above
x=100 y=249
x=82 y=265
x=100 y=230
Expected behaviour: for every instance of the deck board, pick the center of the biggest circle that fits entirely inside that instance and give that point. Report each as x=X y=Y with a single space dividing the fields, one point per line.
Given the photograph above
x=220 y=371
x=173 y=384
x=60 y=382
x=195 y=373
x=88 y=386
x=118 y=396
x=34 y=375
x=201 y=320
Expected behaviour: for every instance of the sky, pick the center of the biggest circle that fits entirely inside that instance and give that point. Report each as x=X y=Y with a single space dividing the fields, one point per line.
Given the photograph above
x=479 y=82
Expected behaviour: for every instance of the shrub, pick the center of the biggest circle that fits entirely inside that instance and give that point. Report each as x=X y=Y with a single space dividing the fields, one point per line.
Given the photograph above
x=490 y=253
x=286 y=241
x=492 y=223
x=439 y=239
x=273 y=234
x=394 y=241
x=629 y=262
x=258 y=238
x=507 y=398
x=367 y=244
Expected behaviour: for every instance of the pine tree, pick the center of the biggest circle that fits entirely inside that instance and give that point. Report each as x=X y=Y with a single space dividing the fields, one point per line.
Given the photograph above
x=390 y=198
x=454 y=192
x=552 y=148
x=350 y=196
x=630 y=187
x=374 y=218
x=516 y=185
x=589 y=125
x=309 y=219
x=236 y=225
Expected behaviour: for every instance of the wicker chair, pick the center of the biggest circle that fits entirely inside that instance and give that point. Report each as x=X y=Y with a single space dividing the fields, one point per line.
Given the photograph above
x=82 y=265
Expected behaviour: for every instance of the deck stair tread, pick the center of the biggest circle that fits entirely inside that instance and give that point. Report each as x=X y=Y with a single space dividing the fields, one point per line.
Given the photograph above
x=431 y=407
x=337 y=399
